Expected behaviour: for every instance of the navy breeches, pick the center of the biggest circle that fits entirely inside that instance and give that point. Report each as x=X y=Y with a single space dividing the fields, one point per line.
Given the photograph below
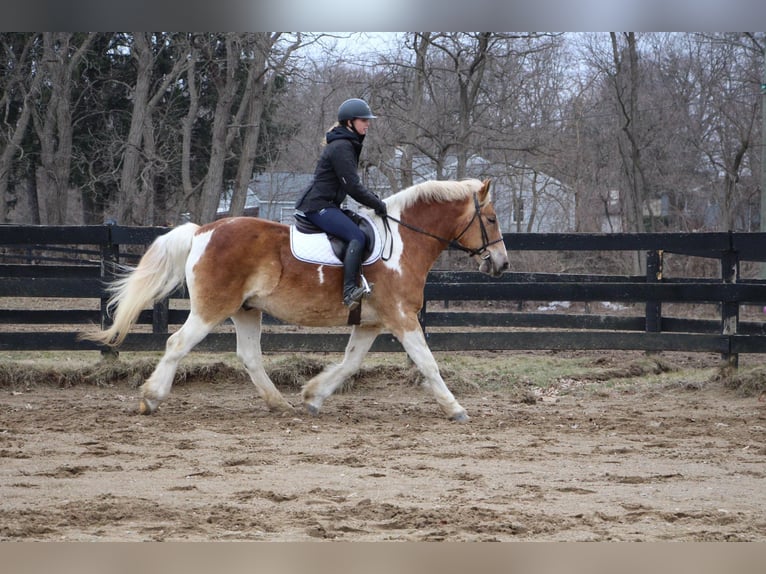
x=334 y=222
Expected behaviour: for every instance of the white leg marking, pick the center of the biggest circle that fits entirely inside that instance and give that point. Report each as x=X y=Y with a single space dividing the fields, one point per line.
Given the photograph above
x=325 y=383
x=415 y=344
x=158 y=385
x=248 y=327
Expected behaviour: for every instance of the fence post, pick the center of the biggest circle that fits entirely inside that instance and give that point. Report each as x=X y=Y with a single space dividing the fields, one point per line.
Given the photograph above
x=160 y=316
x=730 y=309
x=654 y=275
x=110 y=257
x=422 y=317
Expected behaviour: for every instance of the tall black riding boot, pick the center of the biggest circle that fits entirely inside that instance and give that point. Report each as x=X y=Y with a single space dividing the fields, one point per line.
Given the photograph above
x=352 y=263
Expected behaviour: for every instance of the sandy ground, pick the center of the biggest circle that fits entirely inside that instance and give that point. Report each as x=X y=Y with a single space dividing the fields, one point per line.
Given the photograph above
x=631 y=463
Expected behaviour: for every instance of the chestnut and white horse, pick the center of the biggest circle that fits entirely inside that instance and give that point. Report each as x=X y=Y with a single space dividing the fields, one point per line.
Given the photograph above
x=241 y=267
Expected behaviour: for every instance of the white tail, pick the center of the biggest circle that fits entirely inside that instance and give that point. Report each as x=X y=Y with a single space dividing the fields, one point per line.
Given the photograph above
x=159 y=272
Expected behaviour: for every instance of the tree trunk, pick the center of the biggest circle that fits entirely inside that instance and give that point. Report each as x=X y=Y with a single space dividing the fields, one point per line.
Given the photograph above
x=731 y=178
x=254 y=97
x=133 y=204
x=226 y=87
x=634 y=194
x=420 y=43
x=13 y=146
x=187 y=125
x=469 y=81
x=55 y=127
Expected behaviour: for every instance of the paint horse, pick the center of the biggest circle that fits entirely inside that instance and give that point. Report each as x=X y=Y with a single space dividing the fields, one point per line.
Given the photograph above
x=242 y=267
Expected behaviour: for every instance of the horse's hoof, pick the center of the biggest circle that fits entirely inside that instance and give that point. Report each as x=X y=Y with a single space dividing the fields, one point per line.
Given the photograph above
x=145 y=407
x=311 y=409
x=461 y=417
x=284 y=408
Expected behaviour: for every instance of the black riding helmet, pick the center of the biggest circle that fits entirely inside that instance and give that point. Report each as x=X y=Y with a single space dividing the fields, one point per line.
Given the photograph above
x=354 y=108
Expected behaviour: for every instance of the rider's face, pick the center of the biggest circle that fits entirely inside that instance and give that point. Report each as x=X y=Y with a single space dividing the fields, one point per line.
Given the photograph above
x=361 y=125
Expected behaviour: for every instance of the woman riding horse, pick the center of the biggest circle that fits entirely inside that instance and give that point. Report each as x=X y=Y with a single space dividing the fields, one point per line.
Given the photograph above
x=243 y=267
x=335 y=177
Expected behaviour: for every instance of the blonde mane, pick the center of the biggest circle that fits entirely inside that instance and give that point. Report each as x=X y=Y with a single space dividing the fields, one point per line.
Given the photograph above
x=436 y=191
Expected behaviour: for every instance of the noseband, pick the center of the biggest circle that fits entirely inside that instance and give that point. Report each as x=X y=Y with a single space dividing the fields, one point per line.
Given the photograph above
x=455 y=243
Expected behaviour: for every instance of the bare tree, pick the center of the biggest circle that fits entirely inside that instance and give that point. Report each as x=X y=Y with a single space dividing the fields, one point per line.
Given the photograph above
x=62 y=55
x=20 y=91
x=150 y=125
x=450 y=79
x=730 y=68
x=400 y=88
x=137 y=193
x=624 y=77
x=264 y=63
x=189 y=188
x=223 y=55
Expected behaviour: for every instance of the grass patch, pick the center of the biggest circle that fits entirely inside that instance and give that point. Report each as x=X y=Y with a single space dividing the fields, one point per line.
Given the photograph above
x=292 y=371
x=131 y=371
x=543 y=370
x=519 y=376
x=747 y=382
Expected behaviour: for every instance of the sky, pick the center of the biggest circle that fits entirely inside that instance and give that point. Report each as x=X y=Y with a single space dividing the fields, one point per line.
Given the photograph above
x=364 y=42
x=356 y=46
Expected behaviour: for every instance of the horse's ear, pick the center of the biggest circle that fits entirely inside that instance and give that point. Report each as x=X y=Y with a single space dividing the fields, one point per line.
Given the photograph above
x=484 y=191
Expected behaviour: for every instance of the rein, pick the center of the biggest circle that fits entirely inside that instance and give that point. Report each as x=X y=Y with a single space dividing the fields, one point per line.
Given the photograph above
x=454 y=243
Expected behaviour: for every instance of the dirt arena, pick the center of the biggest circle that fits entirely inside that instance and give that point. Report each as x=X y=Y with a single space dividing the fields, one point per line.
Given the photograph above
x=680 y=458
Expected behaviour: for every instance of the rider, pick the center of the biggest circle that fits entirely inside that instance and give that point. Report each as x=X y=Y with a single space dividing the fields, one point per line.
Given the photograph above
x=335 y=177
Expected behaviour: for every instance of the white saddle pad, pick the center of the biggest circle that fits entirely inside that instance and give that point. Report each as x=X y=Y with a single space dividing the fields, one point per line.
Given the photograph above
x=316 y=248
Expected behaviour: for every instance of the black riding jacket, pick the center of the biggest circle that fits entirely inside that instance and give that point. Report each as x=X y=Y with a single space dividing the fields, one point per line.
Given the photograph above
x=336 y=175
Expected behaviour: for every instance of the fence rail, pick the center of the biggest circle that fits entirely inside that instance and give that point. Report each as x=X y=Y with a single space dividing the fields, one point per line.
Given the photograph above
x=68 y=262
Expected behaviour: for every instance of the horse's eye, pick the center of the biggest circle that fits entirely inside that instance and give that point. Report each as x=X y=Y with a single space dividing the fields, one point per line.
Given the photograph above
x=492 y=220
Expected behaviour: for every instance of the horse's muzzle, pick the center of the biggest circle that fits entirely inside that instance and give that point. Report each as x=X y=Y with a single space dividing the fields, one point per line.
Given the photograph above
x=494 y=264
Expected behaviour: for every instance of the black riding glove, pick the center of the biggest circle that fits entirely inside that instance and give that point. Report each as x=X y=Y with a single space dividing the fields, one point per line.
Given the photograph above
x=380 y=209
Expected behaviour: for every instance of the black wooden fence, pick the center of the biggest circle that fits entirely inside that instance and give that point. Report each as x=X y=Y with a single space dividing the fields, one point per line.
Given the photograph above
x=65 y=263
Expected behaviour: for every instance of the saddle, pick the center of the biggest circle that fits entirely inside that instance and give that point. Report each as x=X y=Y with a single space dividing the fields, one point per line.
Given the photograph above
x=311 y=244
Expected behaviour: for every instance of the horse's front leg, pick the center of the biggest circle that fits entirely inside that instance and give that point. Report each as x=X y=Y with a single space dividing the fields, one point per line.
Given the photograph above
x=414 y=342
x=324 y=384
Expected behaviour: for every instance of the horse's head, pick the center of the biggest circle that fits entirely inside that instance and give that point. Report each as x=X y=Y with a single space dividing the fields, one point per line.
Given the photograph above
x=481 y=238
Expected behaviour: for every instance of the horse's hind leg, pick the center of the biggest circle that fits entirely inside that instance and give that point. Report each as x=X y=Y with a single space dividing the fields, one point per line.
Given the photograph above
x=248 y=325
x=158 y=385
x=324 y=384
x=414 y=343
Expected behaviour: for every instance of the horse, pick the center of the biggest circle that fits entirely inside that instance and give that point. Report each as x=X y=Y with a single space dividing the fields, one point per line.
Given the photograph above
x=242 y=267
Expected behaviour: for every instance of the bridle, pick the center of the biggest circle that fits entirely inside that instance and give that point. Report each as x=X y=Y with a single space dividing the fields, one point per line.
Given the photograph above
x=454 y=243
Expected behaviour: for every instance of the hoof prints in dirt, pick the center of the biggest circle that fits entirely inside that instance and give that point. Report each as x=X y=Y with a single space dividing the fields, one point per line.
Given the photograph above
x=382 y=463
